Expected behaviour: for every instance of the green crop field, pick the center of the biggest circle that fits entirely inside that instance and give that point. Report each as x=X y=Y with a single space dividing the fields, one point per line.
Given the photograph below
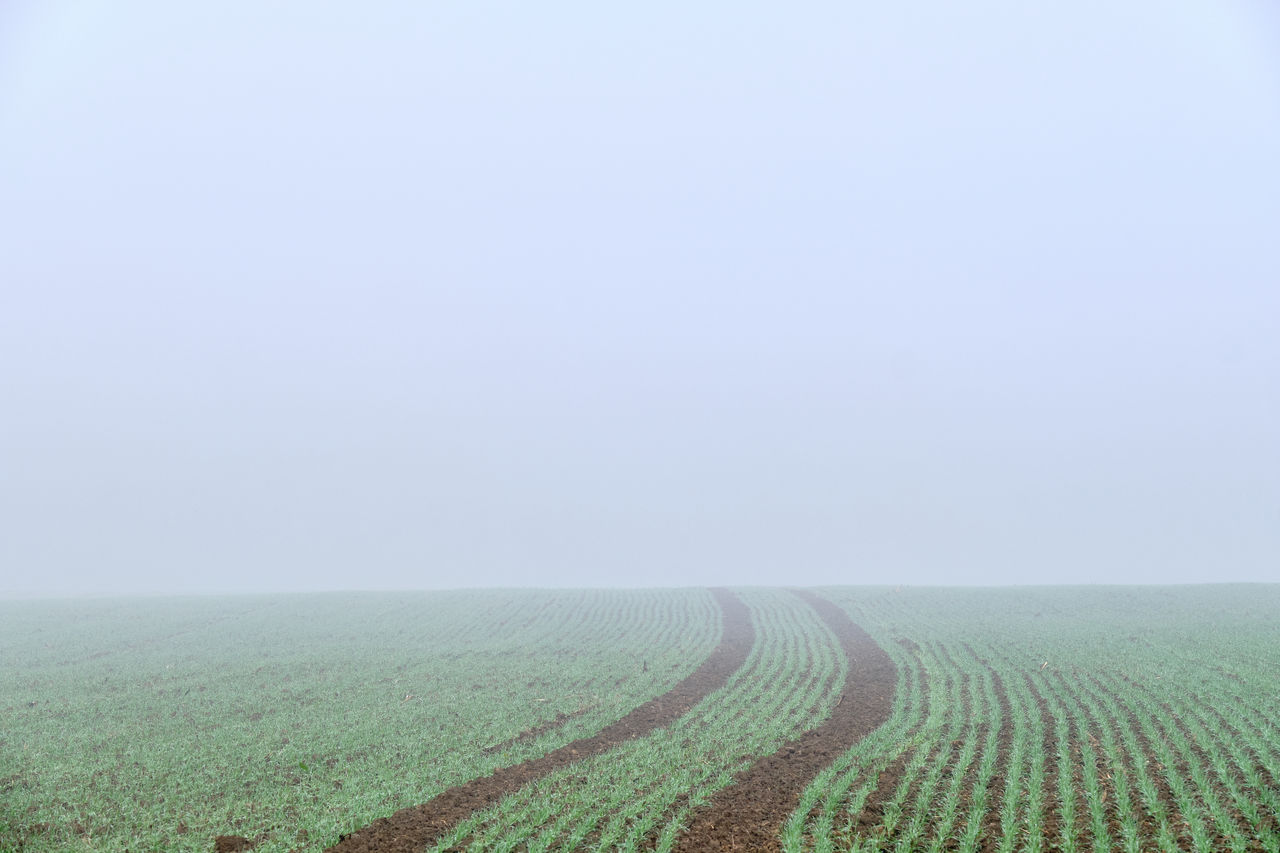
x=647 y=786
x=1085 y=718
x=159 y=724
x=1089 y=718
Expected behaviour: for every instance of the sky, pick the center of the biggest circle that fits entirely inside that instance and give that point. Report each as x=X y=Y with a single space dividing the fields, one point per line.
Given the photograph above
x=319 y=295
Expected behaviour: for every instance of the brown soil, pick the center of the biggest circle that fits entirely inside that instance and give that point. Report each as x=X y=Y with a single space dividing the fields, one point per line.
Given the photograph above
x=1182 y=767
x=1053 y=828
x=869 y=821
x=1150 y=763
x=943 y=752
x=872 y=813
x=411 y=829
x=991 y=833
x=1158 y=771
x=749 y=814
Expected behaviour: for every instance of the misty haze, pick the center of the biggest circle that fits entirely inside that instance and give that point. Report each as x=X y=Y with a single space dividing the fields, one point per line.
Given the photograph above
x=799 y=427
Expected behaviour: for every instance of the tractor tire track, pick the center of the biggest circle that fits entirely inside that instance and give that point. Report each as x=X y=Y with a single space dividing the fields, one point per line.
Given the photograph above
x=749 y=814
x=411 y=829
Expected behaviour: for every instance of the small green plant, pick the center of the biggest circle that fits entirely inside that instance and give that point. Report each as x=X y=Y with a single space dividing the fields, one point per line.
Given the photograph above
x=160 y=724
x=1127 y=719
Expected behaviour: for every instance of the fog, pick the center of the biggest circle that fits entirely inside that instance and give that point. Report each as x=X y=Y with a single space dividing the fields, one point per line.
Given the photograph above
x=308 y=296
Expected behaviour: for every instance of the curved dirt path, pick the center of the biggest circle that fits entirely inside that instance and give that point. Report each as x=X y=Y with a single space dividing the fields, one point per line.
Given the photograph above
x=749 y=814
x=411 y=829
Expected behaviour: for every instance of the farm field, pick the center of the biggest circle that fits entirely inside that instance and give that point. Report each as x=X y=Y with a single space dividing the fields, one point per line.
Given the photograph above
x=842 y=718
x=161 y=724
x=1079 y=718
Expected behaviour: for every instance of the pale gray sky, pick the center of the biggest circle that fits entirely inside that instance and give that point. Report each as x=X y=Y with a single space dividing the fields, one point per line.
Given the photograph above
x=319 y=295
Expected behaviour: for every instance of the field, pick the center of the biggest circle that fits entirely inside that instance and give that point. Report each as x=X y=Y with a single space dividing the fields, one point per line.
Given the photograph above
x=843 y=718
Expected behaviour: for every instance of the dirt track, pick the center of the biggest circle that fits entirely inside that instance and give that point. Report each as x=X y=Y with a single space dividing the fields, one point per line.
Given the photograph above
x=411 y=829
x=748 y=815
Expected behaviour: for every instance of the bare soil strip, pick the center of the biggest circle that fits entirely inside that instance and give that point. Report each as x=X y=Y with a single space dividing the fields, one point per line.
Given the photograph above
x=943 y=752
x=748 y=815
x=411 y=829
x=887 y=781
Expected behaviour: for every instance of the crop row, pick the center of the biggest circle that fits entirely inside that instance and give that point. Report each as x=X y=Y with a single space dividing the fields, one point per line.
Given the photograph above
x=1024 y=719
x=642 y=791
x=159 y=724
x=1074 y=720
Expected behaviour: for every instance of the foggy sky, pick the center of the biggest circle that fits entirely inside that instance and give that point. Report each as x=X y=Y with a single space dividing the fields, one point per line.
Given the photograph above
x=413 y=295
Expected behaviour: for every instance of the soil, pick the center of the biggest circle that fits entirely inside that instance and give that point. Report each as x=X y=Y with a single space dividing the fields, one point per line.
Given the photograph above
x=411 y=829
x=749 y=814
x=870 y=819
x=1004 y=746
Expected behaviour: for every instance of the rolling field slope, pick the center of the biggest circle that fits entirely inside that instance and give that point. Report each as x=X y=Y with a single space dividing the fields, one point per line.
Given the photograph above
x=843 y=718
x=1070 y=719
x=160 y=724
